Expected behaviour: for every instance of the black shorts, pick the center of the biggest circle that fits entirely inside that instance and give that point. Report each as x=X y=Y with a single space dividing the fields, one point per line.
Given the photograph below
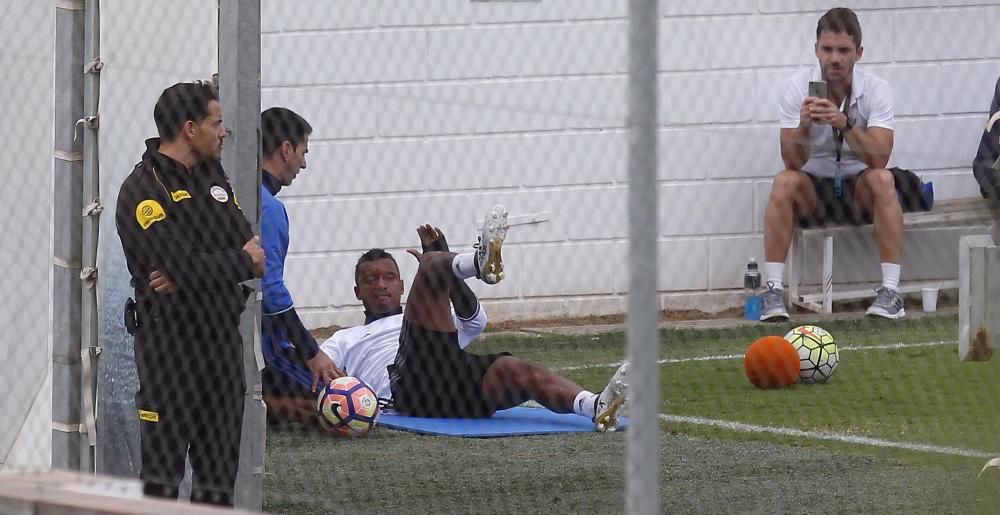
x=831 y=209
x=433 y=377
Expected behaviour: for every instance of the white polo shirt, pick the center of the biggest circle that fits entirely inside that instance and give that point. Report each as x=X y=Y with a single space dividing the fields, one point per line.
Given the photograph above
x=365 y=351
x=872 y=105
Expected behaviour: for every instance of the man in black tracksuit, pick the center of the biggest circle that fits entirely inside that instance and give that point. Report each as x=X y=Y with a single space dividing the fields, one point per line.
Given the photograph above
x=984 y=166
x=188 y=247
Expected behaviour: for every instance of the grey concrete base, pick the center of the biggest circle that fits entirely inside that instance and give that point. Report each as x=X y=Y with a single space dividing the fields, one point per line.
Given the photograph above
x=978 y=298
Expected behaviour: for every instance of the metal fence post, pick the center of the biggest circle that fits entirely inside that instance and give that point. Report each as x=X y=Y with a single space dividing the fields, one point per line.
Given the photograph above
x=239 y=92
x=643 y=452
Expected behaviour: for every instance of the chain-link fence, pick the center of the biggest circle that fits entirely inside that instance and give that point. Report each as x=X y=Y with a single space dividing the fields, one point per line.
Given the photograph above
x=436 y=111
x=26 y=254
x=774 y=200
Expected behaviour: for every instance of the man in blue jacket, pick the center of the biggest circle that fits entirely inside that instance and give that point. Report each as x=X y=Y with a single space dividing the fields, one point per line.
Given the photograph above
x=287 y=344
x=986 y=166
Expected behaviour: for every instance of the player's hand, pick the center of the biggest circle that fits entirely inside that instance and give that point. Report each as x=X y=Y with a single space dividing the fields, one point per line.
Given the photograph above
x=323 y=370
x=824 y=112
x=253 y=248
x=161 y=284
x=805 y=113
x=428 y=235
x=432 y=239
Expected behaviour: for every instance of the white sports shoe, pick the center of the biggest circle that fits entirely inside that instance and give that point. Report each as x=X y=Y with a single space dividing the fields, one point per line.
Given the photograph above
x=612 y=400
x=489 y=263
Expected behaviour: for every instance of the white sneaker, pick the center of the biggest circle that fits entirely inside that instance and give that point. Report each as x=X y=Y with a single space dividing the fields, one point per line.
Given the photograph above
x=489 y=263
x=613 y=399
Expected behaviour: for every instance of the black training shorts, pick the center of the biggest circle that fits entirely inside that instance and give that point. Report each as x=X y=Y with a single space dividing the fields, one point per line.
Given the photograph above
x=833 y=209
x=433 y=377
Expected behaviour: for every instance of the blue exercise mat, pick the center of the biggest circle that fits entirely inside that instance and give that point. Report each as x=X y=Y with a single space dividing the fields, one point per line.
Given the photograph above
x=517 y=421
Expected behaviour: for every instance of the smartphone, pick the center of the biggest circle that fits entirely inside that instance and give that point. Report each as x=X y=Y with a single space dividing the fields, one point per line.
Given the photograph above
x=817 y=88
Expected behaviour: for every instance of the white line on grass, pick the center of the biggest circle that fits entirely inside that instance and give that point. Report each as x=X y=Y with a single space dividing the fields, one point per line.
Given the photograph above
x=820 y=435
x=815 y=435
x=722 y=357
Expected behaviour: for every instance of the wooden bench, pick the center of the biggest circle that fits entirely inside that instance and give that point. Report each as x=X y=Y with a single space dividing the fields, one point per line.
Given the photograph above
x=956 y=213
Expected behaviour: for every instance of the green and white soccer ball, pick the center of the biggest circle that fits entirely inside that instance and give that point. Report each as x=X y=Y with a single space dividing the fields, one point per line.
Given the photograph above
x=818 y=357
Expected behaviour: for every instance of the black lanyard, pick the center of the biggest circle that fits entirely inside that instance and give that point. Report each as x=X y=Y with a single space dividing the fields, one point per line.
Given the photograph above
x=838 y=145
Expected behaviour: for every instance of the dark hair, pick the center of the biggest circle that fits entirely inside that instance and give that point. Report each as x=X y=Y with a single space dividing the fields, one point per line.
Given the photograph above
x=840 y=20
x=372 y=256
x=278 y=125
x=180 y=103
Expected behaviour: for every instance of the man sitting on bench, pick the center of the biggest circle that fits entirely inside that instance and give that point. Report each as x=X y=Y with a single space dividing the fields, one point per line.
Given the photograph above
x=986 y=166
x=835 y=145
x=416 y=356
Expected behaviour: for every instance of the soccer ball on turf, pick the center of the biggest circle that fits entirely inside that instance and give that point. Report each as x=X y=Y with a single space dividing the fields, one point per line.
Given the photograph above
x=818 y=357
x=771 y=362
x=349 y=406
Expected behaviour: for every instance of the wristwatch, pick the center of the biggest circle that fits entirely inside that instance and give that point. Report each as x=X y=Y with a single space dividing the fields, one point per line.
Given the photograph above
x=849 y=124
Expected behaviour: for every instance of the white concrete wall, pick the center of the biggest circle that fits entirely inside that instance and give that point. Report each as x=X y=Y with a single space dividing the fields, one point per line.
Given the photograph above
x=26 y=43
x=431 y=110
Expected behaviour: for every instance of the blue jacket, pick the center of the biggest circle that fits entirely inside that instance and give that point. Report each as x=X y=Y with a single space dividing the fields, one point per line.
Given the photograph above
x=285 y=338
x=989 y=151
x=274 y=238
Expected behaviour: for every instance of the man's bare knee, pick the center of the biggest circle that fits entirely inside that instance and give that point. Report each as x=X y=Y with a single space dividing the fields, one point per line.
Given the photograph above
x=509 y=369
x=508 y=381
x=877 y=187
x=792 y=188
x=881 y=183
x=787 y=185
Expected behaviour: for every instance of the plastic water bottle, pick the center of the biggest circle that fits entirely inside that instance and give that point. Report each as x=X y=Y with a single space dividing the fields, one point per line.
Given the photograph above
x=751 y=291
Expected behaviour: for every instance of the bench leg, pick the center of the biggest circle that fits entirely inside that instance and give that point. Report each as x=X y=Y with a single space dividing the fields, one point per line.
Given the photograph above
x=794 y=268
x=828 y=275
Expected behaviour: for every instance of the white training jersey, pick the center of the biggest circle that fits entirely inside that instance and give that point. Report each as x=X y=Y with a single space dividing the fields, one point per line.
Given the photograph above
x=365 y=351
x=872 y=105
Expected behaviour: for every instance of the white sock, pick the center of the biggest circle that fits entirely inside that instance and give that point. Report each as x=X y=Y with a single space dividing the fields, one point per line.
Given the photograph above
x=774 y=273
x=890 y=276
x=464 y=265
x=585 y=404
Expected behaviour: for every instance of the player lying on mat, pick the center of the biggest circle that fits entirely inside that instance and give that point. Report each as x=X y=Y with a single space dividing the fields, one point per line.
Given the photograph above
x=415 y=356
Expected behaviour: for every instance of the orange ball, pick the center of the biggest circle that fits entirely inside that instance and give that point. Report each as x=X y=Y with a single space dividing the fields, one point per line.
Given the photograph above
x=771 y=362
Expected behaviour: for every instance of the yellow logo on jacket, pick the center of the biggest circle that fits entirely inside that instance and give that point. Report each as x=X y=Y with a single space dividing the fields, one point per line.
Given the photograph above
x=180 y=195
x=149 y=212
x=149 y=416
